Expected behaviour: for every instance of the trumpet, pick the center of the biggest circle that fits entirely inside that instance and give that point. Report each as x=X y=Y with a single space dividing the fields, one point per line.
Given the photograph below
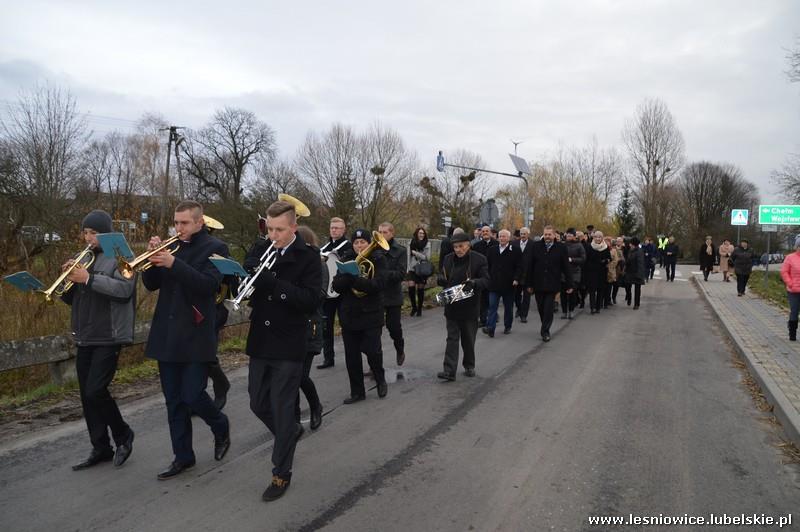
x=266 y=261
x=142 y=262
x=60 y=286
x=366 y=266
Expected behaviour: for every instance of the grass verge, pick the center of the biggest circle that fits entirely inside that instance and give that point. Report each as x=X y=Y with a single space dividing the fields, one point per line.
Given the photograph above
x=775 y=291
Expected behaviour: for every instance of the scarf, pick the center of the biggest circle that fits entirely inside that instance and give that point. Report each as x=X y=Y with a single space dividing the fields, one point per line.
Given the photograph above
x=599 y=247
x=418 y=245
x=709 y=250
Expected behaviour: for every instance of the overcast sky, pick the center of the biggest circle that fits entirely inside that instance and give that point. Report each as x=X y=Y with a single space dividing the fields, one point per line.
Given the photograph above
x=446 y=74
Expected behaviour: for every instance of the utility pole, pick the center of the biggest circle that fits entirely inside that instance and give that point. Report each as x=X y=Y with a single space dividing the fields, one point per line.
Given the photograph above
x=173 y=137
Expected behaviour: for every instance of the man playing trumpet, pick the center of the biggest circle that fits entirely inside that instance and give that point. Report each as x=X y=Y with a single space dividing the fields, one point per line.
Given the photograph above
x=182 y=336
x=102 y=302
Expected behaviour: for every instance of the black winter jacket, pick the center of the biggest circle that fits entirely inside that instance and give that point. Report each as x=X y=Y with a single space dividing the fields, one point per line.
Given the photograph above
x=361 y=313
x=635 y=267
x=396 y=258
x=455 y=271
x=284 y=298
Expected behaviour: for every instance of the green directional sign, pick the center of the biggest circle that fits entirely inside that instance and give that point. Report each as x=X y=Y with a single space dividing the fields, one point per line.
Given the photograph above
x=779 y=214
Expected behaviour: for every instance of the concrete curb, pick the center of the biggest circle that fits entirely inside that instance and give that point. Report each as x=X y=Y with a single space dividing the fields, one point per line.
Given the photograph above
x=782 y=408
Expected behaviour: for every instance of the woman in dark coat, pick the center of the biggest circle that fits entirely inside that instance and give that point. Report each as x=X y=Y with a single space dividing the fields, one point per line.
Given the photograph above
x=595 y=271
x=635 y=273
x=742 y=258
x=707 y=257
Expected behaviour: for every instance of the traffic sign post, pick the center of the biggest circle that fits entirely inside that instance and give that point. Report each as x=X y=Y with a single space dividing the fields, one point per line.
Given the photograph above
x=739 y=217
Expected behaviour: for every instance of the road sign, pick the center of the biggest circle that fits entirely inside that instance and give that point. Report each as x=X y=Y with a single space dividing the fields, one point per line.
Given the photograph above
x=779 y=214
x=739 y=216
x=447 y=220
x=769 y=228
x=440 y=162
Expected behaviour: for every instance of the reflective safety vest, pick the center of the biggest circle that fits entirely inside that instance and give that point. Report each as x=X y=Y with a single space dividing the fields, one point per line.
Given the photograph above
x=662 y=243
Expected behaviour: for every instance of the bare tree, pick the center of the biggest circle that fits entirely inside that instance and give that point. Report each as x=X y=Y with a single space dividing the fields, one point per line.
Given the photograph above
x=46 y=135
x=220 y=154
x=656 y=152
x=788 y=177
x=793 y=57
x=384 y=171
x=327 y=164
x=455 y=192
x=708 y=193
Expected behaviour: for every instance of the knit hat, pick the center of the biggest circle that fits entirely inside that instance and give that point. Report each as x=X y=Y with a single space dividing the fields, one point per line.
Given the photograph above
x=362 y=234
x=459 y=237
x=98 y=220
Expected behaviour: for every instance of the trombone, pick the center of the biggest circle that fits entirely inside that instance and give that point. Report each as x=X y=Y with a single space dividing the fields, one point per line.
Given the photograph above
x=60 y=286
x=142 y=262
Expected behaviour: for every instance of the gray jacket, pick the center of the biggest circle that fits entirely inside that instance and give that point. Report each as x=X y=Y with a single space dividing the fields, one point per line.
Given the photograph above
x=415 y=257
x=103 y=310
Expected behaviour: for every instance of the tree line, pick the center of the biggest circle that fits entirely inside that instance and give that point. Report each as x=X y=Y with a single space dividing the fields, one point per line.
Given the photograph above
x=53 y=169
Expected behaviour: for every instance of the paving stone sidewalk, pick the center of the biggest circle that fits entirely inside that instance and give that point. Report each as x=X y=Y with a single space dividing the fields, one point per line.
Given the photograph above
x=758 y=329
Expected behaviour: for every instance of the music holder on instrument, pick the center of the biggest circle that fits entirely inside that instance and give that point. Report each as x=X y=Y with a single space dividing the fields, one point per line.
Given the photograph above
x=115 y=244
x=24 y=281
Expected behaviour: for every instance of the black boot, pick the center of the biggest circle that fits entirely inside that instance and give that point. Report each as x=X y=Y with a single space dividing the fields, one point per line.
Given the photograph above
x=793 y=331
x=412 y=296
x=420 y=299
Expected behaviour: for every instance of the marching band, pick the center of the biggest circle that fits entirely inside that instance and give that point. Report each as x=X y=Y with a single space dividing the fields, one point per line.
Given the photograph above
x=294 y=290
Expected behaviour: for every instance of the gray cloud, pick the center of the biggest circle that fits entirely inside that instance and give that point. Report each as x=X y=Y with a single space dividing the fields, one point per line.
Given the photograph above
x=446 y=75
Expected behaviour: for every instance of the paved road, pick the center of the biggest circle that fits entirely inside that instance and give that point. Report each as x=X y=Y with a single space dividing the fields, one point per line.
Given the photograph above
x=603 y=420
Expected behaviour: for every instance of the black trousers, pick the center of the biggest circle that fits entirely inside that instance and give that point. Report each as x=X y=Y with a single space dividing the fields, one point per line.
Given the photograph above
x=706 y=271
x=367 y=341
x=484 y=307
x=670 y=269
x=273 y=386
x=637 y=293
x=394 y=327
x=463 y=331
x=330 y=307
x=522 y=301
x=545 y=302
x=96 y=366
x=568 y=301
x=741 y=282
x=184 y=386
x=308 y=387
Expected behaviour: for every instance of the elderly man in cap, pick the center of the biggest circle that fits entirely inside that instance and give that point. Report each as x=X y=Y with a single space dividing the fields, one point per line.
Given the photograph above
x=467 y=267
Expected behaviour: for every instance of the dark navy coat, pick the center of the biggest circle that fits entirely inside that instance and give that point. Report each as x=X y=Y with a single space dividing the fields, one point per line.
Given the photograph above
x=183 y=327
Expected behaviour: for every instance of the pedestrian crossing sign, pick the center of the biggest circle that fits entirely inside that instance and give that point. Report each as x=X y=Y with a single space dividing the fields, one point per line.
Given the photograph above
x=739 y=216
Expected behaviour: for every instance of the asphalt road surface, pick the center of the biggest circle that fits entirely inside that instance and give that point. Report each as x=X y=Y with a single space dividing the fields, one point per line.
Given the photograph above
x=627 y=412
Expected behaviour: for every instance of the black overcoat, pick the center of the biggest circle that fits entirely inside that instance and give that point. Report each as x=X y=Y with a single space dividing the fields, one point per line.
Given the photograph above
x=183 y=327
x=283 y=305
x=705 y=260
x=595 y=271
x=635 y=267
x=548 y=267
x=504 y=268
